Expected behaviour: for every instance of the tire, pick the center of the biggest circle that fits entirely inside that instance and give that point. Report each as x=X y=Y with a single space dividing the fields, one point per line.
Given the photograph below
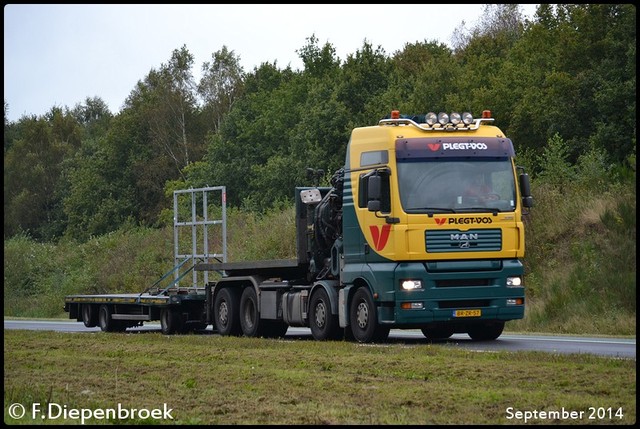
x=364 y=320
x=486 y=332
x=106 y=322
x=226 y=308
x=171 y=321
x=249 y=315
x=323 y=324
x=438 y=333
x=89 y=315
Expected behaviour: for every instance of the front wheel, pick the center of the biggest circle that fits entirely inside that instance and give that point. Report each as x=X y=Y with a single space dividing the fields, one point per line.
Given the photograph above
x=323 y=324
x=364 y=320
x=486 y=331
x=438 y=333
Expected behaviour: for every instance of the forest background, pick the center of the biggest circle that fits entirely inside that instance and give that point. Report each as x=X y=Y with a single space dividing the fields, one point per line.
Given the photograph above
x=88 y=193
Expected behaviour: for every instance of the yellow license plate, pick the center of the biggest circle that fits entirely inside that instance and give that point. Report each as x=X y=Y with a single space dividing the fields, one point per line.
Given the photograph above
x=467 y=313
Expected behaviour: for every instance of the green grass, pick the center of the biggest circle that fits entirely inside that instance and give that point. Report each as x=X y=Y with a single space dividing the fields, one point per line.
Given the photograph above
x=208 y=379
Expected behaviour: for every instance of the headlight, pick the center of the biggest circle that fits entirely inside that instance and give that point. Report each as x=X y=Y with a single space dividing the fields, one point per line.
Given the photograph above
x=411 y=284
x=443 y=118
x=431 y=118
x=514 y=281
x=467 y=118
x=455 y=118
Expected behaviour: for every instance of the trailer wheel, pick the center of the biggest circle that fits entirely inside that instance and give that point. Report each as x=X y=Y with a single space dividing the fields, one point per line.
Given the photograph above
x=171 y=321
x=323 y=324
x=249 y=315
x=106 y=322
x=364 y=320
x=486 y=331
x=226 y=309
x=89 y=315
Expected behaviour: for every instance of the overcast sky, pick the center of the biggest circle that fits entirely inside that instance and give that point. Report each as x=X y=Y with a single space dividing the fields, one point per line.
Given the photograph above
x=58 y=55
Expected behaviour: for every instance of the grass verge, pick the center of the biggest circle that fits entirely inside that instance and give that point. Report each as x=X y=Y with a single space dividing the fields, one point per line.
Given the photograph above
x=208 y=379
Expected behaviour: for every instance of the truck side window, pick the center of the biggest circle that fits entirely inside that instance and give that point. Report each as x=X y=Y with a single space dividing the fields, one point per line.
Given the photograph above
x=385 y=197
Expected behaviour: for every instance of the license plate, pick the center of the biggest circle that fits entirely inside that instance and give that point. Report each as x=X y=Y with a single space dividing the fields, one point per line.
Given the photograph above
x=467 y=313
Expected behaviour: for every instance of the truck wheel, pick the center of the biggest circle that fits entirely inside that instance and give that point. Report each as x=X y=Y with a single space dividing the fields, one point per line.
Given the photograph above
x=323 y=324
x=249 y=315
x=438 y=333
x=364 y=320
x=89 y=316
x=171 y=321
x=106 y=322
x=486 y=332
x=226 y=308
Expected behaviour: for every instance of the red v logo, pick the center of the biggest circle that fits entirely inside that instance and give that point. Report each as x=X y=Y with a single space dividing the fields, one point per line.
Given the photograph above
x=434 y=146
x=380 y=237
x=441 y=220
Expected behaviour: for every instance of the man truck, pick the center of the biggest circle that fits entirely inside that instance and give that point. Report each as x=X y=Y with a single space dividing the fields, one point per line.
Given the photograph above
x=421 y=229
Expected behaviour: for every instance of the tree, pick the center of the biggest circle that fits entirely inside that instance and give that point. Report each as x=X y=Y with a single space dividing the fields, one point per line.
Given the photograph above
x=221 y=85
x=33 y=166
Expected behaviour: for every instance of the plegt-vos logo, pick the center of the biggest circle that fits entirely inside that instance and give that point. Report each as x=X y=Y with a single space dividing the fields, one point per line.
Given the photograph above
x=380 y=235
x=464 y=220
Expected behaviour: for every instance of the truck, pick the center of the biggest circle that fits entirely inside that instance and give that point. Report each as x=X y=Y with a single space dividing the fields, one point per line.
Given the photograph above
x=422 y=228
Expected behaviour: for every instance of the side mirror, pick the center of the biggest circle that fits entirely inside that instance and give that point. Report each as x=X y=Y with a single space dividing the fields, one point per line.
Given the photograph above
x=374 y=191
x=525 y=190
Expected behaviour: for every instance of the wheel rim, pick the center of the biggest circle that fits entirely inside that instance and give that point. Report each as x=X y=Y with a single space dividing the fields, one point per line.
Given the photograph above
x=223 y=313
x=362 y=315
x=320 y=314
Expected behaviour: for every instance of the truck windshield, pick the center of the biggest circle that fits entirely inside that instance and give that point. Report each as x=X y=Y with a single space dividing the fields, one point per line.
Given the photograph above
x=454 y=185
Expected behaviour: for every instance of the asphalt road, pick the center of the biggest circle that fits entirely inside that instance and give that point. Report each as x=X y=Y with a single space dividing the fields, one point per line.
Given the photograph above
x=609 y=347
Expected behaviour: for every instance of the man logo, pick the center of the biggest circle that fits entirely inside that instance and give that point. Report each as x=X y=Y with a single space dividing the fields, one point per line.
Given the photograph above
x=380 y=238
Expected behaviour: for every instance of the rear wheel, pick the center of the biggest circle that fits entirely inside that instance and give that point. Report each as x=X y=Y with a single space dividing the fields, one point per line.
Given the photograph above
x=89 y=315
x=249 y=315
x=106 y=322
x=323 y=324
x=171 y=321
x=364 y=320
x=226 y=308
x=486 y=331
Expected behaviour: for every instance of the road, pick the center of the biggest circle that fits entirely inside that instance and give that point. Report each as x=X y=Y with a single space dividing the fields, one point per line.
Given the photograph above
x=609 y=347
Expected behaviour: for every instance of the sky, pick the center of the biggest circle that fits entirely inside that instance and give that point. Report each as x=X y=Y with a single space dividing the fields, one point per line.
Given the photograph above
x=58 y=55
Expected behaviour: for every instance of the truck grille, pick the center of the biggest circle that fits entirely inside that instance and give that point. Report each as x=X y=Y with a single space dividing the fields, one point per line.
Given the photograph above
x=454 y=240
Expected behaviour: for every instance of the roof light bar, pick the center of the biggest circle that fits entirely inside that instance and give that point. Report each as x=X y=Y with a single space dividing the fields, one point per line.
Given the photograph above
x=441 y=122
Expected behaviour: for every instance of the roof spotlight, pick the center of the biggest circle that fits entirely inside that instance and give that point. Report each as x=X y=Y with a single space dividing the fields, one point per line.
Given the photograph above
x=443 y=118
x=455 y=118
x=431 y=118
x=467 y=118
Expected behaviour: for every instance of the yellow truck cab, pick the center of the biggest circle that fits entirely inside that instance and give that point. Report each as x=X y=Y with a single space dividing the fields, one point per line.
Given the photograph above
x=432 y=222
